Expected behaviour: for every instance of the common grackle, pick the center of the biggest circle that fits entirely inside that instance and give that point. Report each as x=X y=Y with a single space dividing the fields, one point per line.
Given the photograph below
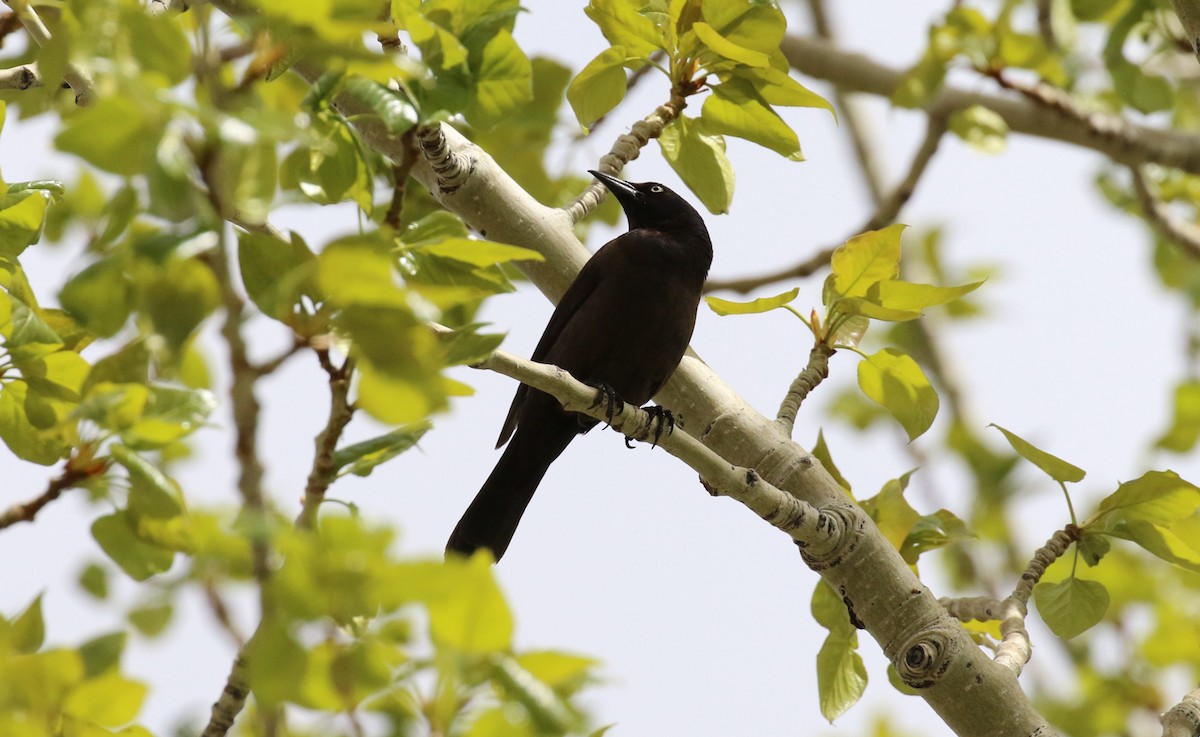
x=624 y=323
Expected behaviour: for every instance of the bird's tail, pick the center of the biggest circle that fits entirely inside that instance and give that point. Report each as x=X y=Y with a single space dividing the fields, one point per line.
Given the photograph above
x=493 y=516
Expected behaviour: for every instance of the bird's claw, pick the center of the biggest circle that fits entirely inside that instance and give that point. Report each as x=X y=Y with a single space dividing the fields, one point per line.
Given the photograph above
x=613 y=404
x=661 y=420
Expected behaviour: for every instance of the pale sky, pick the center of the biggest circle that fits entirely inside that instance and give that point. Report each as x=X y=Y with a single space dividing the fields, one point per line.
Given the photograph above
x=698 y=609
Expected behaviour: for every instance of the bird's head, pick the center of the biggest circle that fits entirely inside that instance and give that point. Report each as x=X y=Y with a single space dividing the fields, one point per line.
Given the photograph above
x=652 y=205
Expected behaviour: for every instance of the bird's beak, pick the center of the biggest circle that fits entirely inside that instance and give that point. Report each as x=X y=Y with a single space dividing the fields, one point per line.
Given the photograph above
x=621 y=189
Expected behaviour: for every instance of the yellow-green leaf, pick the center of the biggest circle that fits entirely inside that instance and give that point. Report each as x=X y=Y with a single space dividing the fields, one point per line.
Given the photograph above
x=981 y=128
x=841 y=675
x=109 y=700
x=868 y=308
x=700 y=161
x=1157 y=497
x=623 y=25
x=1072 y=606
x=778 y=88
x=902 y=295
x=762 y=304
x=1184 y=432
x=27 y=631
x=599 y=87
x=1163 y=542
x=866 y=259
x=897 y=383
x=479 y=252
x=728 y=49
x=1055 y=467
x=735 y=109
x=503 y=81
x=891 y=512
x=21 y=223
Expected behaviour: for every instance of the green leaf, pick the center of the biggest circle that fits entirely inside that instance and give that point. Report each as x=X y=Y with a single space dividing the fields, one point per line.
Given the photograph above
x=735 y=109
x=896 y=382
x=26 y=441
x=762 y=304
x=465 y=346
x=332 y=168
x=394 y=399
x=503 y=81
x=1157 y=497
x=599 y=87
x=1184 y=432
x=27 y=631
x=865 y=260
x=467 y=610
x=359 y=272
x=865 y=307
x=821 y=452
x=699 y=160
x=160 y=45
x=479 y=252
x=891 y=512
x=177 y=297
x=109 y=700
x=1145 y=93
x=99 y=297
x=275 y=663
x=362 y=458
x=753 y=25
x=841 y=675
x=623 y=25
x=21 y=223
x=116 y=133
x=981 y=128
x=1072 y=606
x=1092 y=547
x=169 y=414
x=894 y=294
x=933 y=531
x=393 y=106
x=777 y=88
x=152 y=619
x=141 y=560
x=1054 y=467
x=1165 y=543
x=94 y=580
x=28 y=334
x=564 y=672
x=546 y=709
x=276 y=273
x=728 y=49
x=102 y=653
x=152 y=493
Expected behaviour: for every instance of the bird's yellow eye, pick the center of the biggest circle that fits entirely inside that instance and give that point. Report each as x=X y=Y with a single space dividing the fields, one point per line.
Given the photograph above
x=656 y=188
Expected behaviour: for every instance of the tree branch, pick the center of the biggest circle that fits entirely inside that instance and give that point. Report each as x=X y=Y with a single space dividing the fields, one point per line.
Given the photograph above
x=1115 y=137
x=1183 y=719
x=813 y=374
x=626 y=148
x=1189 y=15
x=855 y=125
x=25 y=512
x=1015 y=648
x=40 y=35
x=341 y=412
x=1183 y=234
x=21 y=77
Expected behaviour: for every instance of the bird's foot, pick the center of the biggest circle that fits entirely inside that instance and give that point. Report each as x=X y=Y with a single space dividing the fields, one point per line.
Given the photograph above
x=661 y=420
x=613 y=404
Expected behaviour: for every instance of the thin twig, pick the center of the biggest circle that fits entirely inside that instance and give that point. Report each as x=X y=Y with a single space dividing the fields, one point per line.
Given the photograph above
x=341 y=411
x=221 y=613
x=1015 y=648
x=856 y=126
x=26 y=511
x=626 y=148
x=1183 y=719
x=271 y=366
x=1181 y=233
x=40 y=35
x=813 y=374
x=1119 y=139
x=884 y=215
x=400 y=173
x=20 y=78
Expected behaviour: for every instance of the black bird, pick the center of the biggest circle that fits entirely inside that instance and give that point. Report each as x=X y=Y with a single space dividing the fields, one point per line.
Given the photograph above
x=624 y=323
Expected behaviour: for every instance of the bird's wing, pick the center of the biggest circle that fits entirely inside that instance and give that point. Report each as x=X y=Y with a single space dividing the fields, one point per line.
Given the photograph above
x=579 y=291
